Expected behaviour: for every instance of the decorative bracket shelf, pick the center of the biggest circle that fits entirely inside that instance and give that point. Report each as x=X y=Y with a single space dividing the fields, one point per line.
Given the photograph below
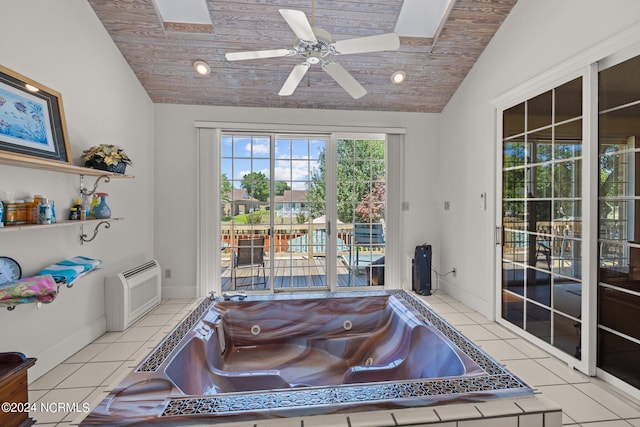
x=62 y=167
x=86 y=192
x=83 y=236
x=97 y=223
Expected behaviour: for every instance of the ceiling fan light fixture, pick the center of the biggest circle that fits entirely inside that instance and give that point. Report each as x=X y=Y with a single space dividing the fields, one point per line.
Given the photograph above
x=398 y=77
x=201 y=67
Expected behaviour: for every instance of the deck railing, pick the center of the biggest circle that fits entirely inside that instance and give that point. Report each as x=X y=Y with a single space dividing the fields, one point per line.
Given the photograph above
x=285 y=235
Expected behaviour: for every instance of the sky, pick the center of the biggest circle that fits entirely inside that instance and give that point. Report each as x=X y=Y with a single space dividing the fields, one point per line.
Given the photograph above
x=295 y=158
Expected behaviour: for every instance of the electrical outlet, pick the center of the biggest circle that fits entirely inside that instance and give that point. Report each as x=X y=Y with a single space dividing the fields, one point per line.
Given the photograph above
x=454 y=271
x=167 y=273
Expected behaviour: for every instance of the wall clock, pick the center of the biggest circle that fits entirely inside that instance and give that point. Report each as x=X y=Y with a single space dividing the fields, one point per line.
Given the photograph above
x=9 y=270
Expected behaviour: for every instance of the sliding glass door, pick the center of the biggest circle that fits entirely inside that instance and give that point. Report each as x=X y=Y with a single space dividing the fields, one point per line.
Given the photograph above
x=619 y=225
x=541 y=257
x=297 y=209
x=590 y=314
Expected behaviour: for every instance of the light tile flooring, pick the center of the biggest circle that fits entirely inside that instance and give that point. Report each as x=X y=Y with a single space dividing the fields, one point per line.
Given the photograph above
x=88 y=375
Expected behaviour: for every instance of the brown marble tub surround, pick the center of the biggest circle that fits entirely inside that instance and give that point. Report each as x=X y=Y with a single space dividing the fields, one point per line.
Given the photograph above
x=357 y=351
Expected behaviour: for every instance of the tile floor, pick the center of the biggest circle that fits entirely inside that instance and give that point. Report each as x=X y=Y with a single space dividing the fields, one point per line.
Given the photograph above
x=88 y=375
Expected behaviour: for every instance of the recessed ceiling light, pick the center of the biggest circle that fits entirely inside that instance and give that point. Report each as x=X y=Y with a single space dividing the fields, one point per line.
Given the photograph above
x=398 y=77
x=201 y=67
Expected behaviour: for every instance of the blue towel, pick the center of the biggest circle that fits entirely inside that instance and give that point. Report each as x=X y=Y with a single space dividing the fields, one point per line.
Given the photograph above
x=87 y=264
x=69 y=270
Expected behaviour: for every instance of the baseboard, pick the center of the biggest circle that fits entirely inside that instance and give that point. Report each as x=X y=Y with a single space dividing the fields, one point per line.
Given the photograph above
x=178 y=292
x=58 y=353
x=481 y=306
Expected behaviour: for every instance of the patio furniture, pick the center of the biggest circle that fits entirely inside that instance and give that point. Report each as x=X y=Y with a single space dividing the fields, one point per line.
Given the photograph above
x=249 y=254
x=364 y=235
x=543 y=245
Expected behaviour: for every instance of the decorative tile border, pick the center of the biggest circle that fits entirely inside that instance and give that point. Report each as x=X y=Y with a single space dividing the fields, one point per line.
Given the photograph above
x=497 y=378
x=157 y=358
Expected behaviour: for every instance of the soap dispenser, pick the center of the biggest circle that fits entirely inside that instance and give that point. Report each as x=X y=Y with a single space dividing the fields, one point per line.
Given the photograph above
x=102 y=211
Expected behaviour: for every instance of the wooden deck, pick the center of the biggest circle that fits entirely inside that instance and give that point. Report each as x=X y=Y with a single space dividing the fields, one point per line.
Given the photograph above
x=292 y=272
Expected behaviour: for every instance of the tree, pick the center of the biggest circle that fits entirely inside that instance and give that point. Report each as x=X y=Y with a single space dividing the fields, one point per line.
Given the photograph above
x=371 y=208
x=281 y=187
x=257 y=185
x=225 y=194
x=360 y=163
x=225 y=188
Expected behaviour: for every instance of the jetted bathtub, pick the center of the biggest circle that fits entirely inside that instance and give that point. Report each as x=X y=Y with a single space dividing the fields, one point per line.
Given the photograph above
x=286 y=355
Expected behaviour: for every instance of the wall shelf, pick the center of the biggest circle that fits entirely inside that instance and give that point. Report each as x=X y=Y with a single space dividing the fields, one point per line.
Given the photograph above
x=49 y=165
x=65 y=223
x=54 y=166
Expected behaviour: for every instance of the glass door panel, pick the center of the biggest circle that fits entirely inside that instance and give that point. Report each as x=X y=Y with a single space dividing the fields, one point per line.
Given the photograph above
x=619 y=226
x=246 y=242
x=300 y=223
x=541 y=225
x=361 y=207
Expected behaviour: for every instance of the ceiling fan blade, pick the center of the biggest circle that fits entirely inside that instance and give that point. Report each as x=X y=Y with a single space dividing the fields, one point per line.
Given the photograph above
x=294 y=79
x=388 y=41
x=299 y=23
x=257 y=54
x=344 y=79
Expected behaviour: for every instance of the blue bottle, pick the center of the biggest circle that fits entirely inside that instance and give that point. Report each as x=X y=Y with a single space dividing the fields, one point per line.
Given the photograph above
x=1 y=214
x=102 y=211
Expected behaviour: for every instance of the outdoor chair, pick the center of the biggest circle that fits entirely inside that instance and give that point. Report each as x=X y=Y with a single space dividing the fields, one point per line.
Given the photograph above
x=369 y=236
x=249 y=254
x=543 y=246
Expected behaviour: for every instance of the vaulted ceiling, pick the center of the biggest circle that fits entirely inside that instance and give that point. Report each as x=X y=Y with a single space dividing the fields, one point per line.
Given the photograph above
x=162 y=54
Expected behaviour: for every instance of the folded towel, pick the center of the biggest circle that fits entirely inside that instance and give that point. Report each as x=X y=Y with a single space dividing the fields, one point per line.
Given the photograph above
x=63 y=273
x=87 y=264
x=70 y=269
x=30 y=289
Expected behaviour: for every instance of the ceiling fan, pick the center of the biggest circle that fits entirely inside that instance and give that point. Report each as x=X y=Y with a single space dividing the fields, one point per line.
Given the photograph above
x=316 y=45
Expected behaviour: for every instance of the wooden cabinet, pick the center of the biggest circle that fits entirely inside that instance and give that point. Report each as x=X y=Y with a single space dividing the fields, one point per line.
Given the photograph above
x=14 y=396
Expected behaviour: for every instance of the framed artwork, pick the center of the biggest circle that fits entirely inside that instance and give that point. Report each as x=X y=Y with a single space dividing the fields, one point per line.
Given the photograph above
x=32 y=120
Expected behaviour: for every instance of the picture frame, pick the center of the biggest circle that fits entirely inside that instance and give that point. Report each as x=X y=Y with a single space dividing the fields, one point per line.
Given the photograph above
x=32 y=122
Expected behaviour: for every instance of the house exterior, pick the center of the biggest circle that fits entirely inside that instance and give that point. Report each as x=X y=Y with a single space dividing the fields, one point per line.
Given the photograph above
x=239 y=202
x=291 y=203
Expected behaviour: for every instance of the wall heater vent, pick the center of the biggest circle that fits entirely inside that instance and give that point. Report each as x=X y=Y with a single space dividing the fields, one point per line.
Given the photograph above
x=131 y=294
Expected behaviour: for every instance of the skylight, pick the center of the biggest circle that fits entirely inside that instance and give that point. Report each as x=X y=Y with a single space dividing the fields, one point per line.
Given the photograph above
x=184 y=11
x=422 y=18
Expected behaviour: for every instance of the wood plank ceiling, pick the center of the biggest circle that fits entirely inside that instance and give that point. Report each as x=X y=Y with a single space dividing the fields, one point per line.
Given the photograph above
x=162 y=55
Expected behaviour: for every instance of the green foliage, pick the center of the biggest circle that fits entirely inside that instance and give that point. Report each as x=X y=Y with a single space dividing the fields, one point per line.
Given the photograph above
x=225 y=188
x=359 y=164
x=280 y=187
x=301 y=218
x=257 y=217
x=254 y=217
x=257 y=185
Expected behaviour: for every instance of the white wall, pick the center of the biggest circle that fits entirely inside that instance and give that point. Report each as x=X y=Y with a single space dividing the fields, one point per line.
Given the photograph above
x=62 y=45
x=537 y=36
x=176 y=175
